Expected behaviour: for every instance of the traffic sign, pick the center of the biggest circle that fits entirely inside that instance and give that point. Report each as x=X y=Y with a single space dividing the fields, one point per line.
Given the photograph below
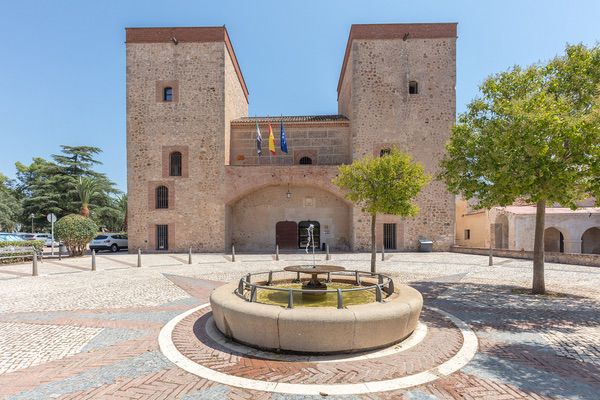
x=51 y=217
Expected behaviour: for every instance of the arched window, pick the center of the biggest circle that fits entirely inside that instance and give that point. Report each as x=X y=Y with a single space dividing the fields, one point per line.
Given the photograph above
x=162 y=197
x=305 y=160
x=168 y=94
x=413 y=87
x=175 y=164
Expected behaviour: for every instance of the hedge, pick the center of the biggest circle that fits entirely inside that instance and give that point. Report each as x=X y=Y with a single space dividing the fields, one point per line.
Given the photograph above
x=38 y=245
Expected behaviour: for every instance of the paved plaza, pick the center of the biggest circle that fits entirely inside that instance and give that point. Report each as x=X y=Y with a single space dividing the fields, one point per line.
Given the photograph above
x=73 y=333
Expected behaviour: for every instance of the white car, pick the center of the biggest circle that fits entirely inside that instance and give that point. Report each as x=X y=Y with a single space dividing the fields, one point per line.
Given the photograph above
x=46 y=237
x=109 y=241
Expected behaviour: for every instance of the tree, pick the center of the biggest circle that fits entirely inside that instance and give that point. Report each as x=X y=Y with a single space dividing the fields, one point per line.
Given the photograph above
x=75 y=231
x=386 y=184
x=10 y=206
x=86 y=189
x=534 y=134
x=51 y=186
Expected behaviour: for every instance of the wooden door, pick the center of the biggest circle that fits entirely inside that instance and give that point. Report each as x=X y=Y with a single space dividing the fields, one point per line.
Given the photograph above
x=286 y=234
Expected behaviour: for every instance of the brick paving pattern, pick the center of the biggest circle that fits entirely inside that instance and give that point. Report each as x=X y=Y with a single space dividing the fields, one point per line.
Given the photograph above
x=75 y=334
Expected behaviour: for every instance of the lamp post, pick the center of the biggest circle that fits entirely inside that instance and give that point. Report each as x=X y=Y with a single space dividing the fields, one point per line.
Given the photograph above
x=32 y=215
x=288 y=194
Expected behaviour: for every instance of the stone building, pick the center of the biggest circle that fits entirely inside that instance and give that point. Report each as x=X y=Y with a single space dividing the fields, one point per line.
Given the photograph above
x=513 y=227
x=194 y=177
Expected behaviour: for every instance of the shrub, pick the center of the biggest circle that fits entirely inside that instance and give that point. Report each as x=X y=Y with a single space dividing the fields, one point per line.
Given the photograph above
x=75 y=231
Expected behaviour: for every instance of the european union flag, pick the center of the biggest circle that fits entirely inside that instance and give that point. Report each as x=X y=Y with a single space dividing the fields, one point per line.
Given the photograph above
x=282 y=139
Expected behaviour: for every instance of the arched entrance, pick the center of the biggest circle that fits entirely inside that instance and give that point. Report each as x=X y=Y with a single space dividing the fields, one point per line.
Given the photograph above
x=266 y=217
x=501 y=232
x=554 y=241
x=590 y=241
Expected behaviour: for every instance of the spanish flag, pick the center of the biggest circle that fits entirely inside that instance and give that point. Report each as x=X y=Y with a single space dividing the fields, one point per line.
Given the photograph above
x=271 y=140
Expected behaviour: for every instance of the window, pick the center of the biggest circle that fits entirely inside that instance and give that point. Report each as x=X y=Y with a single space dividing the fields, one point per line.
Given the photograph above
x=467 y=234
x=162 y=237
x=305 y=160
x=168 y=94
x=384 y=152
x=175 y=164
x=162 y=197
x=413 y=87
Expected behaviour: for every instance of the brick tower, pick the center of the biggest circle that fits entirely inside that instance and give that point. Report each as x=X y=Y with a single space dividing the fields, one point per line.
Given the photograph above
x=397 y=87
x=184 y=86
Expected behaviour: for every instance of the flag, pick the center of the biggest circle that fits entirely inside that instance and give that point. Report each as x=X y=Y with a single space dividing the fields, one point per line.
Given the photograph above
x=258 y=141
x=271 y=140
x=283 y=142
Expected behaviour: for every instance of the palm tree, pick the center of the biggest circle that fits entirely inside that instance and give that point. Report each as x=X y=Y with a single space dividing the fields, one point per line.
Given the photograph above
x=86 y=188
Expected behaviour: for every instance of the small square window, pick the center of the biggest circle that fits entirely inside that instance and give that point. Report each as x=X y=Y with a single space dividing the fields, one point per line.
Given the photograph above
x=384 y=152
x=413 y=87
x=467 y=234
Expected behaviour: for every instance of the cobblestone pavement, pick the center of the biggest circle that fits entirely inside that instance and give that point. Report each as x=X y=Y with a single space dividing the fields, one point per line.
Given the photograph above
x=71 y=333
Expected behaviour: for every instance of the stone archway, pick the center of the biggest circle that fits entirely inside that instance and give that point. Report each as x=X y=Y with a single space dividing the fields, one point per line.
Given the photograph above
x=590 y=241
x=554 y=241
x=253 y=218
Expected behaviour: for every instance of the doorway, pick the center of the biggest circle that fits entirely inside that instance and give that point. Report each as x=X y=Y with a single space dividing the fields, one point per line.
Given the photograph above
x=286 y=234
x=303 y=234
x=389 y=236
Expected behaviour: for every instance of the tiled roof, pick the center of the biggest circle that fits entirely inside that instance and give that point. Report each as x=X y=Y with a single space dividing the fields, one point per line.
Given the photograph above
x=293 y=118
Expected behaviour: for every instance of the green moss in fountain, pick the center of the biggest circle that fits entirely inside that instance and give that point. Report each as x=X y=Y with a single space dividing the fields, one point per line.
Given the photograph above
x=280 y=298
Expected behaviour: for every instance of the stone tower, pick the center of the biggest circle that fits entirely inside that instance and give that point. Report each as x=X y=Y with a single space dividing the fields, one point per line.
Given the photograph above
x=397 y=87
x=184 y=86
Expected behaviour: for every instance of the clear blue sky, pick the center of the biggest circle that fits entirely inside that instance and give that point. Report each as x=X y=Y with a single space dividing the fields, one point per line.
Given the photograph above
x=62 y=73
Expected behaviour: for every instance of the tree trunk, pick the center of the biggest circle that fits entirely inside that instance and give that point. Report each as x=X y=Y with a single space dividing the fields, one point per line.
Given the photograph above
x=85 y=211
x=539 y=286
x=373 y=247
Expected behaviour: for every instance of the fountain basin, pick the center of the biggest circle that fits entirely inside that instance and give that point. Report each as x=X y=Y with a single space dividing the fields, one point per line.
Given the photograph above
x=317 y=329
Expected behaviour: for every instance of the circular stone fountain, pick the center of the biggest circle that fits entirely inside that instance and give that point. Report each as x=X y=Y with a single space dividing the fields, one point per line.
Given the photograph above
x=389 y=315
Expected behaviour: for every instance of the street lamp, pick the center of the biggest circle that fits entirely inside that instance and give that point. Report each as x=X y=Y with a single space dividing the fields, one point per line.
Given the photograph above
x=289 y=194
x=32 y=215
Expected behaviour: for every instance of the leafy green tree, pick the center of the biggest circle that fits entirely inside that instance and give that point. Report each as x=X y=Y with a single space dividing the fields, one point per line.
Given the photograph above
x=386 y=185
x=534 y=134
x=75 y=231
x=52 y=186
x=10 y=206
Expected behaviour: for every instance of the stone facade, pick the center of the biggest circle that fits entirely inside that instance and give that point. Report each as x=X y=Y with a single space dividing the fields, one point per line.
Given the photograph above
x=513 y=228
x=226 y=195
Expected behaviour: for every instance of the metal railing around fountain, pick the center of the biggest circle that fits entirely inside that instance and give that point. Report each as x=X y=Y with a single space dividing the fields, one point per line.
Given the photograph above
x=384 y=284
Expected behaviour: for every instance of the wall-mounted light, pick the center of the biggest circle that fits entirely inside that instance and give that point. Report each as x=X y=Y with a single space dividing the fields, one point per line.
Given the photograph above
x=288 y=194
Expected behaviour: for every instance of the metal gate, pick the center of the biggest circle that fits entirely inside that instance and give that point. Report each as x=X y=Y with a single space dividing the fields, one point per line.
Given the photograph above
x=162 y=237
x=303 y=234
x=389 y=236
x=286 y=234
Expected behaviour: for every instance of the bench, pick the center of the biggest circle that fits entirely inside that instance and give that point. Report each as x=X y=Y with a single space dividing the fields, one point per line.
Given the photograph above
x=18 y=252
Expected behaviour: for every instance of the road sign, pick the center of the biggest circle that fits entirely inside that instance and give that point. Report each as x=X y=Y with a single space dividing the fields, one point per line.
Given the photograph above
x=52 y=219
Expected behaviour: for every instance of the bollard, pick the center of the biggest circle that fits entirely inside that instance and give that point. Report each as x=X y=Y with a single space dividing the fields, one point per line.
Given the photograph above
x=327 y=255
x=59 y=253
x=93 y=260
x=232 y=253
x=35 y=268
x=277 y=253
x=340 y=300
x=270 y=281
x=382 y=253
x=190 y=256
x=139 y=260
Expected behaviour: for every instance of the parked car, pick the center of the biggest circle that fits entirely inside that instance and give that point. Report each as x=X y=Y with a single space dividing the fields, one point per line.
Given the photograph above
x=9 y=237
x=109 y=241
x=45 y=237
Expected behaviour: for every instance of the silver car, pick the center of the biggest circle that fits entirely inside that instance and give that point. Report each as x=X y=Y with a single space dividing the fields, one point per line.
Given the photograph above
x=109 y=241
